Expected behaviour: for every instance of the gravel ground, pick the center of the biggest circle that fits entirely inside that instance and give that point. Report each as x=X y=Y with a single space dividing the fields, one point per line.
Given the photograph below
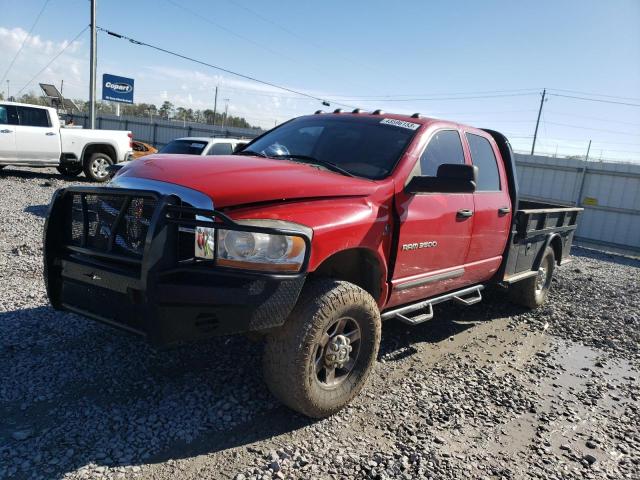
x=490 y=391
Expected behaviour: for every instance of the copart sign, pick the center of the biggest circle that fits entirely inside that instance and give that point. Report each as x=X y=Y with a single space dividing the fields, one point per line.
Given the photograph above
x=117 y=89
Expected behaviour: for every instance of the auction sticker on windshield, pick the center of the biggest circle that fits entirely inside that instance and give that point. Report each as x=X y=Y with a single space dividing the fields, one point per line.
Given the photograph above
x=400 y=123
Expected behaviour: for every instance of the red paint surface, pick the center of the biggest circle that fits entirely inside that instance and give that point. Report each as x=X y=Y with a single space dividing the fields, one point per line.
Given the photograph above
x=348 y=213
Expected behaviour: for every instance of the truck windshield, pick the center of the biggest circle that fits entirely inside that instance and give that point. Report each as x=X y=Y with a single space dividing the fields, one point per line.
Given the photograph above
x=185 y=147
x=362 y=146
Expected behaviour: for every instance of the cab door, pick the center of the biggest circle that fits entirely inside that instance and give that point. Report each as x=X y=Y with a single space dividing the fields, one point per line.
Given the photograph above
x=8 y=121
x=492 y=206
x=36 y=139
x=435 y=229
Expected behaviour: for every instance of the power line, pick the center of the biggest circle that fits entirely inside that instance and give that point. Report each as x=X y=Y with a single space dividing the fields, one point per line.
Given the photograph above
x=435 y=99
x=435 y=95
x=596 y=100
x=615 y=132
x=260 y=45
x=241 y=75
x=594 y=94
x=301 y=37
x=229 y=31
x=54 y=59
x=593 y=118
x=24 y=41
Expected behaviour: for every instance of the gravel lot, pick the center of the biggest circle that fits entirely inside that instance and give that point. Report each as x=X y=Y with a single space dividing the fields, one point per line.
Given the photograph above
x=490 y=391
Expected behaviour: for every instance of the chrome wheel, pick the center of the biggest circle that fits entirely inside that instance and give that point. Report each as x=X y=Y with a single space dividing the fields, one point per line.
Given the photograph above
x=336 y=352
x=541 y=279
x=99 y=167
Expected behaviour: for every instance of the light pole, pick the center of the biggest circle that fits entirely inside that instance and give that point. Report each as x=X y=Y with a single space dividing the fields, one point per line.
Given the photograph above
x=92 y=68
x=226 y=109
x=8 y=94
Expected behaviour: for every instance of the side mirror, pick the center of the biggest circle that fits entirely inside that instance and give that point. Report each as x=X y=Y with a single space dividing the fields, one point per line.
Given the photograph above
x=451 y=178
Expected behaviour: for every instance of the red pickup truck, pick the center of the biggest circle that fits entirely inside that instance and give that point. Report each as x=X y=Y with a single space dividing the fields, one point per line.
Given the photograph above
x=310 y=236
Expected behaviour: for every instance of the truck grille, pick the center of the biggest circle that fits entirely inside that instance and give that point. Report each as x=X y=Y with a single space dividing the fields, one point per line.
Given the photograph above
x=111 y=223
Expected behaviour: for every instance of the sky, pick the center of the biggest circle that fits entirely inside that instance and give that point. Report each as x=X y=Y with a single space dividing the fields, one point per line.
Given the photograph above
x=432 y=57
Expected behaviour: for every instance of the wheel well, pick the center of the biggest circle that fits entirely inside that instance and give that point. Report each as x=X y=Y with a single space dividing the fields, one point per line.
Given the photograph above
x=358 y=266
x=99 y=148
x=556 y=244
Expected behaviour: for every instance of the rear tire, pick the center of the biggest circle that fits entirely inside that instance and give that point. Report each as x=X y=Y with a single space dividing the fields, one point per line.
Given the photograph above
x=319 y=360
x=69 y=171
x=95 y=168
x=532 y=292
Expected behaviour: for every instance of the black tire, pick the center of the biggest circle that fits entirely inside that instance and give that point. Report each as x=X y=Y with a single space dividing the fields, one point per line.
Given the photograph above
x=69 y=171
x=95 y=167
x=532 y=292
x=293 y=352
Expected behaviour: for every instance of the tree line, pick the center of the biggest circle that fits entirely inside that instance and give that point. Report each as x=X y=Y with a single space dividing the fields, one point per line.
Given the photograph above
x=167 y=111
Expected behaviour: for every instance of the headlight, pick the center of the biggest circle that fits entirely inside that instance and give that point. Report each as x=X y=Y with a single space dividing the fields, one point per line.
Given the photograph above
x=262 y=251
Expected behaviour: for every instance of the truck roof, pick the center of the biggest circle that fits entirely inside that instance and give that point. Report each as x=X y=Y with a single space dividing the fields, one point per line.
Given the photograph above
x=415 y=118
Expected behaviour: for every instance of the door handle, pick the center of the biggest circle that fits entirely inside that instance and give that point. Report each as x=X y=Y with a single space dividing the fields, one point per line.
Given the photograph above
x=6 y=130
x=49 y=134
x=464 y=213
x=504 y=210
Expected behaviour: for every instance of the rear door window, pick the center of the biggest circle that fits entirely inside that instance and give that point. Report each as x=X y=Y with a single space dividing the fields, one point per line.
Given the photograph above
x=33 y=117
x=185 y=147
x=221 y=149
x=444 y=147
x=483 y=157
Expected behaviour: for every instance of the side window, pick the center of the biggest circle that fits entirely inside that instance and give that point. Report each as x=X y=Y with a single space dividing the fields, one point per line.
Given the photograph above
x=239 y=146
x=8 y=115
x=33 y=117
x=483 y=157
x=444 y=147
x=221 y=149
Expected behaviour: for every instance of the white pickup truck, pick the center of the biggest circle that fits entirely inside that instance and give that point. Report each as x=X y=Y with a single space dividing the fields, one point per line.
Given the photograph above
x=31 y=135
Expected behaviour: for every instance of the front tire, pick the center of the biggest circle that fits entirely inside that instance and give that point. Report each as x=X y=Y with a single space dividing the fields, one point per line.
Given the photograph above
x=320 y=359
x=95 y=168
x=533 y=291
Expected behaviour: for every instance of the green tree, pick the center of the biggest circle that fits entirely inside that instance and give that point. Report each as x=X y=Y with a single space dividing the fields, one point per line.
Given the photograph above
x=166 y=110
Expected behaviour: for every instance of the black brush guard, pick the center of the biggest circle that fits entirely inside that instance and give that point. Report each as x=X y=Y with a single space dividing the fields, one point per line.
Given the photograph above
x=125 y=257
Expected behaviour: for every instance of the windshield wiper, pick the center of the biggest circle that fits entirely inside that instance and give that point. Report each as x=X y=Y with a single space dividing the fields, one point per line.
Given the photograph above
x=316 y=161
x=251 y=152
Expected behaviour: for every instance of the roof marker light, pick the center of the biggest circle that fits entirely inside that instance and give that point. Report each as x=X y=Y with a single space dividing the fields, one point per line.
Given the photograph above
x=337 y=110
x=378 y=112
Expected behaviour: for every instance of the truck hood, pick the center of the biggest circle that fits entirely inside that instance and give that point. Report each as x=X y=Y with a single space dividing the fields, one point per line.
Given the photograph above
x=234 y=180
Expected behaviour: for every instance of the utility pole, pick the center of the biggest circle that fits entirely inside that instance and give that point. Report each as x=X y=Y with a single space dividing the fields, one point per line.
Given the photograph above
x=92 y=68
x=535 y=134
x=8 y=93
x=215 y=106
x=586 y=157
x=226 y=109
x=583 y=173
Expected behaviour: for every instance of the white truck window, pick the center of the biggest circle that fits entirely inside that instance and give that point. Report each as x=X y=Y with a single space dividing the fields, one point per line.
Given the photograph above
x=8 y=115
x=33 y=117
x=221 y=149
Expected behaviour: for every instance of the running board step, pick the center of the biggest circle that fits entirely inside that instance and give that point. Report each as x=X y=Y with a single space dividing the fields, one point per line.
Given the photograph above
x=428 y=315
x=461 y=296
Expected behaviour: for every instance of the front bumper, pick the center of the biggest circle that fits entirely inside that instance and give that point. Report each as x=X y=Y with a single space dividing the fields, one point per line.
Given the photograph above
x=159 y=293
